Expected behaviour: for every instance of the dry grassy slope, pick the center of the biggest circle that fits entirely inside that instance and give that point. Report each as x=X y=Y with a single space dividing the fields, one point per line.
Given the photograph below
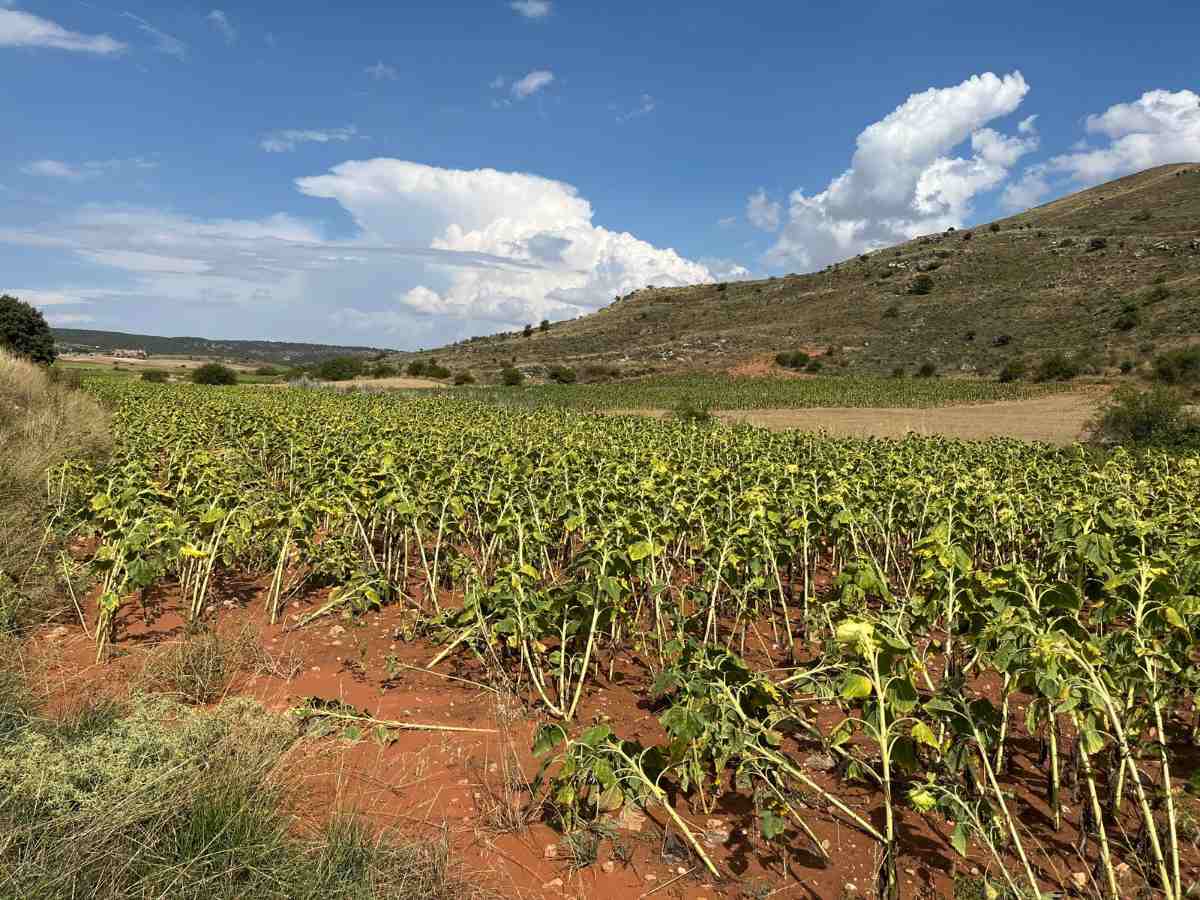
x=1035 y=280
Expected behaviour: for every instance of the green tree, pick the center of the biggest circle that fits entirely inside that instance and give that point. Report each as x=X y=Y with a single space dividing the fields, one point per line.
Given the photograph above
x=512 y=376
x=24 y=332
x=340 y=368
x=545 y=326
x=214 y=373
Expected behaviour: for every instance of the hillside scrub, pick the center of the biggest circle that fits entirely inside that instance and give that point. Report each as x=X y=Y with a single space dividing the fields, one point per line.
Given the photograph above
x=1179 y=367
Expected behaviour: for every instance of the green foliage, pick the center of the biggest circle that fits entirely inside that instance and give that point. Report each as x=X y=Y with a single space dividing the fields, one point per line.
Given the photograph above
x=24 y=332
x=214 y=374
x=528 y=331
x=545 y=326
x=927 y=370
x=416 y=368
x=562 y=374
x=1178 y=367
x=1058 y=367
x=921 y=285
x=1013 y=370
x=464 y=377
x=155 y=376
x=1155 y=417
x=697 y=412
x=792 y=359
x=892 y=311
x=266 y=371
x=512 y=376
x=339 y=368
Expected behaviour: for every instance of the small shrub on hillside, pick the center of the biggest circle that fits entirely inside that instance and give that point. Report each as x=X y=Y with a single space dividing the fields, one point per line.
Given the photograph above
x=464 y=377
x=1180 y=366
x=921 y=285
x=562 y=374
x=891 y=312
x=1154 y=417
x=1096 y=243
x=528 y=332
x=898 y=372
x=994 y=227
x=1129 y=318
x=1002 y=340
x=792 y=359
x=1157 y=294
x=927 y=370
x=1013 y=370
x=214 y=373
x=545 y=326
x=384 y=370
x=1057 y=367
x=1126 y=366
x=157 y=376
x=722 y=287
x=512 y=376
x=266 y=371
x=416 y=368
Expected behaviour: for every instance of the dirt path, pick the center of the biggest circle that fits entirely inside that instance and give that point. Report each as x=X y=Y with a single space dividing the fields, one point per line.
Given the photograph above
x=1056 y=419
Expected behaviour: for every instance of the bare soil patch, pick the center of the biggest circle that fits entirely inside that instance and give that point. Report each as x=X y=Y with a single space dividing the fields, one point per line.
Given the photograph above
x=1056 y=419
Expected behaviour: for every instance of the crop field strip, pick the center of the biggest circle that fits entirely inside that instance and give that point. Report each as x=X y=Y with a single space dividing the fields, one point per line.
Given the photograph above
x=880 y=585
x=728 y=393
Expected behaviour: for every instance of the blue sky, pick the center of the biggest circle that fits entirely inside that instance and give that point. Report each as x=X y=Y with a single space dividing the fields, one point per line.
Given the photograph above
x=406 y=174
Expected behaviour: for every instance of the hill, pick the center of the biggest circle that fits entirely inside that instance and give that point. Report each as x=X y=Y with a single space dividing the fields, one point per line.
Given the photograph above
x=277 y=352
x=1112 y=272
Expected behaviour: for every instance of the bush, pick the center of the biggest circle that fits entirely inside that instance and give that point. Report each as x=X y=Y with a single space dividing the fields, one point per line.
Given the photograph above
x=416 y=368
x=921 y=285
x=1058 y=367
x=1157 y=294
x=512 y=376
x=898 y=372
x=340 y=368
x=214 y=373
x=1180 y=366
x=545 y=326
x=927 y=370
x=1126 y=366
x=792 y=359
x=1154 y=417
x=266 y=371
x=24 y=332
x=157 y=376
x=384 y=370
x=697 y=412
x=1096 y=243
x=464 y=377
x=994 y=227
x=562 y=374
x=1013 y=370
x=1128 y=320
x=814 y=365
x=433 y=370
x=528 y=332
x=891 y=312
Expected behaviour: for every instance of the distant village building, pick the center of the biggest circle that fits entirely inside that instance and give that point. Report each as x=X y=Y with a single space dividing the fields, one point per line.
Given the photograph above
x=129 y=354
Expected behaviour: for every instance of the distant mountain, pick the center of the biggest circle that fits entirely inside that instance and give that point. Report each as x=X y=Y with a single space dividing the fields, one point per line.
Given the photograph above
x=1112 y=271
x=276 y=352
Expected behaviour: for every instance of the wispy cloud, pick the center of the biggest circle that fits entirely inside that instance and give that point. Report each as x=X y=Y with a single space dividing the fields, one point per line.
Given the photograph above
x=22 y=29
x=645 y=105
x=535 y=81
x=163 y=42
x=55 y=168
x=381 y=71
x=532 y=9
x=220 y=21
x=287 y=139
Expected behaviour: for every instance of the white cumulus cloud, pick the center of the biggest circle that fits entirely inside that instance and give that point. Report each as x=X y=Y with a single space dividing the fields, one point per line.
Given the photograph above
x=762 y=211
x=22 y=29
x=559 y=263
x=1158 y=128
x=903 y=179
